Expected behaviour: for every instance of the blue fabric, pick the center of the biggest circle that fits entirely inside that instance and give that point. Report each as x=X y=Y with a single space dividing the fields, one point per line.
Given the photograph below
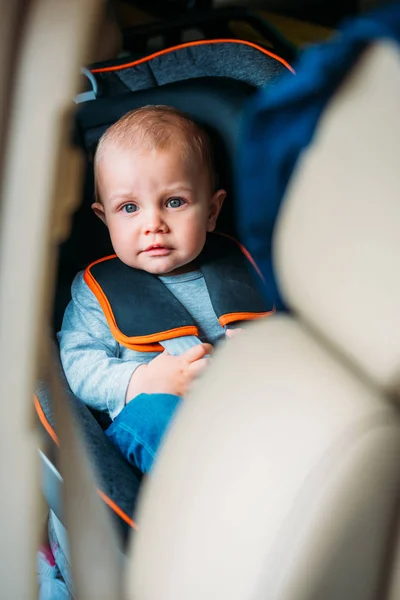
x=140 y=426
x=280 y=122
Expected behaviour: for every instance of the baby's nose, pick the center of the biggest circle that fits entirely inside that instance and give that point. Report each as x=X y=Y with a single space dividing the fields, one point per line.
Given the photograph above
x=154 y=222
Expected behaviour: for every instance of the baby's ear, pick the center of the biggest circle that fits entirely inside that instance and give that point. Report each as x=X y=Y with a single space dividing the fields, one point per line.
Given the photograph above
x=216 y=203
x=98 y=210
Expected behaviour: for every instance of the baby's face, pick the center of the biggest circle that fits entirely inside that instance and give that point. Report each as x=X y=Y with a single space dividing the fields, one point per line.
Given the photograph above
x=157 y=206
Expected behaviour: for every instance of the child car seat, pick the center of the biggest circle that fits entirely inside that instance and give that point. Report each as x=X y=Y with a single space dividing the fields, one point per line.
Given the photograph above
x=218 y=108
x=217 y=103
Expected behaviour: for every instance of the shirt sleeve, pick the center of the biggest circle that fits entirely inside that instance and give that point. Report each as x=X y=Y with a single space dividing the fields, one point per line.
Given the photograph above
x=90 y=354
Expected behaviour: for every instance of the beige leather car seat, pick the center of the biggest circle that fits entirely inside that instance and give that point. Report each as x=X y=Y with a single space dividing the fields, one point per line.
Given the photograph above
x=280 y=479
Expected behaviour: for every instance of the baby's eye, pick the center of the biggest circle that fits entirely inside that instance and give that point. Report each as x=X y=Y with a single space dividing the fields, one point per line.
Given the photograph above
x=130 y=208
x=175 y=202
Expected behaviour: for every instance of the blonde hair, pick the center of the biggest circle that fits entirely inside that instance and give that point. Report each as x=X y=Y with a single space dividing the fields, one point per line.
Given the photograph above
x=158 y=127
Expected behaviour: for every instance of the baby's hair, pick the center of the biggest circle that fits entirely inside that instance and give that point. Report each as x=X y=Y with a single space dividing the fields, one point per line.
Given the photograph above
x=158 y=127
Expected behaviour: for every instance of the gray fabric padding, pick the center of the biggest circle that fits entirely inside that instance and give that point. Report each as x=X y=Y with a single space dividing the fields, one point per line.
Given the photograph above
x=223 y=59
x=136 y=78
x=116 y=478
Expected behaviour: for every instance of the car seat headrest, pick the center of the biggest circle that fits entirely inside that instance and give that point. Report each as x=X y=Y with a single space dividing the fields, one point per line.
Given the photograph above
x=337 y=242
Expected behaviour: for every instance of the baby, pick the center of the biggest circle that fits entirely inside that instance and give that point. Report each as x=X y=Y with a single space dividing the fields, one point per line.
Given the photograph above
x=156 y=193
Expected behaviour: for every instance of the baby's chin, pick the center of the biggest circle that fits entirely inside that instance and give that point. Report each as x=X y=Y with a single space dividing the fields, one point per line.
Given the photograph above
x=160 y=267
x=172 y=270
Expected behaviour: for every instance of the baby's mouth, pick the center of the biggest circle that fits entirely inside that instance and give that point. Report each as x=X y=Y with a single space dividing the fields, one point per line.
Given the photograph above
x=157 y=250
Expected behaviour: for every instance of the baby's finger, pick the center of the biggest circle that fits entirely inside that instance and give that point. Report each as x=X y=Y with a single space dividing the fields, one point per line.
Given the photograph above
x=195 y=368
x=197 y=352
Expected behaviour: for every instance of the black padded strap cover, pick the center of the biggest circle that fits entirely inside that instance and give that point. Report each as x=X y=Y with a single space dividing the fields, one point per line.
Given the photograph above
x=141 y=304
x=231 y=279
x=141 y=310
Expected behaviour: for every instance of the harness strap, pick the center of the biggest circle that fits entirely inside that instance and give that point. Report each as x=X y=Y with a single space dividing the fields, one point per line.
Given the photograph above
x=178 y=346
x=230 y=276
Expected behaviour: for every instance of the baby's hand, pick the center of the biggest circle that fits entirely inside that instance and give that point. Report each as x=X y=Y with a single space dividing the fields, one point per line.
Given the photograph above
x=168 y=374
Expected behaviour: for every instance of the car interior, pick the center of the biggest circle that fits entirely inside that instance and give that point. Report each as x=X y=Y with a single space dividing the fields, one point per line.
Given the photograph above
x=279 y=477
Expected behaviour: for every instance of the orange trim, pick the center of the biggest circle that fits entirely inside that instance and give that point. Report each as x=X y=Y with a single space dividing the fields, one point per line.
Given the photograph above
x=103 y=496
x=189 y=45
x=145 y=343
x=245 y=252
x=243 y=316
x=117 y=510
x=44 y=421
